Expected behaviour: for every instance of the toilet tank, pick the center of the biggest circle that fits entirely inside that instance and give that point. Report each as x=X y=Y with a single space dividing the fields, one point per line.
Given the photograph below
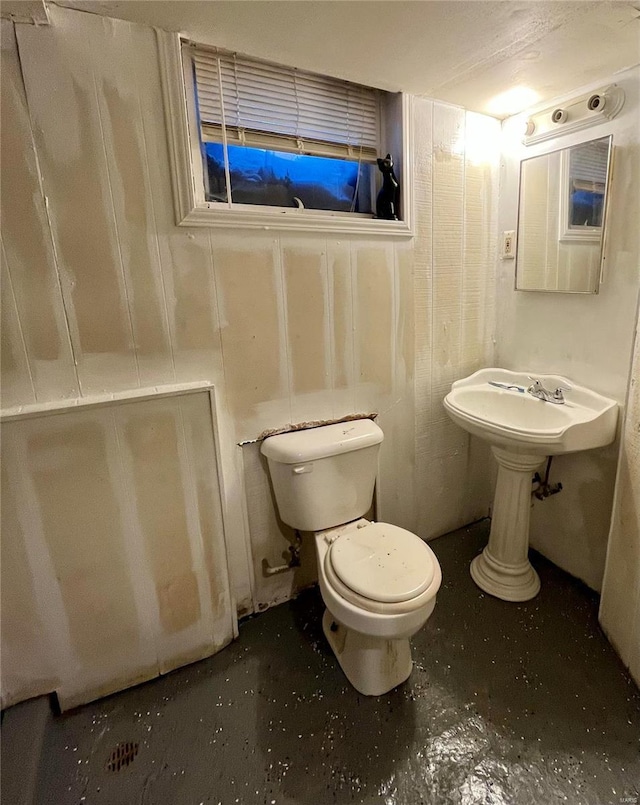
x=323 y=477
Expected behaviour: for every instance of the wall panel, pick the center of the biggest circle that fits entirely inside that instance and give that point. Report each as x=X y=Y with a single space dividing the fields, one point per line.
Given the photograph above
x=17 y=383
x=29 y=255
x=289 y=329
x=448 y=231
x=342 y=331
x=71 y=149
x=620 y=603
x=114 y=61
x=308 y=329
x=374 y=307
x=119 y=502
x=252 y=325
x=28 y=667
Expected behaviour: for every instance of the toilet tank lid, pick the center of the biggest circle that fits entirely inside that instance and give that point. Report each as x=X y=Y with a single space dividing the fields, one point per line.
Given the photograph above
x=328 y=440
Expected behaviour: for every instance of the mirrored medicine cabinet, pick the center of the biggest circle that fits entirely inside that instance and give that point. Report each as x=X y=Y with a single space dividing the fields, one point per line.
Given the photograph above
x=562 y=215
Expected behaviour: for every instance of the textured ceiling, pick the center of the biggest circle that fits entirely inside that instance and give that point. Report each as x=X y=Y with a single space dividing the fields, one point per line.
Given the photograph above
x=463 y=52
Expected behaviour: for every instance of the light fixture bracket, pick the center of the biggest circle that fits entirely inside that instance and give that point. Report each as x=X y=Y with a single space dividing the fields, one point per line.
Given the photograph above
x=589 y=109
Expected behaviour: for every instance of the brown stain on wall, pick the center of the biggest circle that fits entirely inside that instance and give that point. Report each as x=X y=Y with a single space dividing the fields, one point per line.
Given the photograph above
x=83 y=530
x=341 y=290
x=9 y=363
x=374 y=299
x=203 y=464
x=306 y=315
x=23 y=220
x=209 y=537
x=145 y=305
x=194 y=306
x=196 y=413
x=23 y=635
x=250 y=334
x=157 y=478
x=83 y=230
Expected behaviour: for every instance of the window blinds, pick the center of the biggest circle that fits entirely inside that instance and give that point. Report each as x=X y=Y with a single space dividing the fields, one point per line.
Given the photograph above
x=589 y=162
x=272 y=106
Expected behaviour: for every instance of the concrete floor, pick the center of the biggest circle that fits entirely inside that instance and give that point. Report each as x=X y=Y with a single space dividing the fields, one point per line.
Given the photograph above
x=507 y=703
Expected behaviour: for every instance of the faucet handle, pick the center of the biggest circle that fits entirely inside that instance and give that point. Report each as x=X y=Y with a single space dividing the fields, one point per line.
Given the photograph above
x=558 y=395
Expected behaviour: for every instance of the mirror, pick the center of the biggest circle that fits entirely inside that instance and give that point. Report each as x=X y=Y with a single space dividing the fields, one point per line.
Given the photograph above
x=562 y=218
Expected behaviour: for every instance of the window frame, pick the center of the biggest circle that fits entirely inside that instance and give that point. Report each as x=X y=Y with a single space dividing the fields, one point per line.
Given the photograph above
x=568 y=233
x=190 y=206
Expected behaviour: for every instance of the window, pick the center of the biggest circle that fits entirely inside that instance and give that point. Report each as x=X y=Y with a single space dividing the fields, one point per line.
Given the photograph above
x=280 y=137
x=584 y=171
x=258 y=144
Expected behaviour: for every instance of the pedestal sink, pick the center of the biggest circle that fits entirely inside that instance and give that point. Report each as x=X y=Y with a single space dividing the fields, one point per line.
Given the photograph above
x=523 y=431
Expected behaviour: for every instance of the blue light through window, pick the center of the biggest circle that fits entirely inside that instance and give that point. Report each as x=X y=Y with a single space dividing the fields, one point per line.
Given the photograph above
x=275 y=178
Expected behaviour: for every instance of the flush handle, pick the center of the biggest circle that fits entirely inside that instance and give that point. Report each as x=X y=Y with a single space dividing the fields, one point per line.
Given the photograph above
x=300 y=468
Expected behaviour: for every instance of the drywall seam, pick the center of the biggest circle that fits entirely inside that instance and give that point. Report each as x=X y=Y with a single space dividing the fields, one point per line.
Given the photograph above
x=144 y=590
x=46 y=589
x=461 y=356
x=283 y=319
x=224 y=512
x=431 y=302
x=152 y=204
x=391 y=400
x=331 y=325
x=242 y=493
x=194 y=529
x=354 y=351
x=52 y=240
x=127 y=296
x=100 y=400
x=18 y=322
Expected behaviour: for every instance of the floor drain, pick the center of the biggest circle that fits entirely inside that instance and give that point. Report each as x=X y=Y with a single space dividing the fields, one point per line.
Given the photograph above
x=122 y=755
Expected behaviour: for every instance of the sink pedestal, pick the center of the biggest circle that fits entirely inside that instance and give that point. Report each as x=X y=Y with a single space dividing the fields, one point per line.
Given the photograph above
x=503 y=568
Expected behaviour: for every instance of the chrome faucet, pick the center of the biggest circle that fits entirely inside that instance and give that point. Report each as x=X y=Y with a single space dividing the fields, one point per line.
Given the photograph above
x=536 y=389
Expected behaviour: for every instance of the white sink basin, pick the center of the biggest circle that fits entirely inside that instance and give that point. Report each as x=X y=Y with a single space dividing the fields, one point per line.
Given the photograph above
x=517 y=421
x=523 y=430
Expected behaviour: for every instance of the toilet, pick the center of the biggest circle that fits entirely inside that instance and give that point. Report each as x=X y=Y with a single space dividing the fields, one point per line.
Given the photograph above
x=378 y=581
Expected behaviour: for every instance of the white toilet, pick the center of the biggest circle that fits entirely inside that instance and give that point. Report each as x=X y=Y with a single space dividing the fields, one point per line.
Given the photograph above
x=378 y=581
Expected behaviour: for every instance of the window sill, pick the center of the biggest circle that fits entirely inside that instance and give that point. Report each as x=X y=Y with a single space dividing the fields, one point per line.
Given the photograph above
x=295 y=221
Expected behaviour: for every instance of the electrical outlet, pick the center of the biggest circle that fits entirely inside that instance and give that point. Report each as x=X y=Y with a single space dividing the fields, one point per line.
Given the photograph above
x=509 y=244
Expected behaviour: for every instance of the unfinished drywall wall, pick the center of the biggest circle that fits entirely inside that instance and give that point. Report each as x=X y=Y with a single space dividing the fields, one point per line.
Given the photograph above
x=38 y=359
x=113 y=558
x=620 y=604
x=587 y=338
x=289 y=328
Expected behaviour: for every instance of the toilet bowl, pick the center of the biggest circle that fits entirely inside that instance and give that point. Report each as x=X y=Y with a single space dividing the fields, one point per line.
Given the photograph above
x=378 y=581
x=369 y=633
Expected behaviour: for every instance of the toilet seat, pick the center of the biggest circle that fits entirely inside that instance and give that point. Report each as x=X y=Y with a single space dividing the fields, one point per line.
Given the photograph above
x=382 y=568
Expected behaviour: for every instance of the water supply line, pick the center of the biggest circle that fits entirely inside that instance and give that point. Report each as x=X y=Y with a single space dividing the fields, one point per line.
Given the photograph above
x=294 y=561
x=544 y=489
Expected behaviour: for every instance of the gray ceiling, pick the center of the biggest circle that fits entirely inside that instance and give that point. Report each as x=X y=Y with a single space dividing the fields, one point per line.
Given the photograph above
x=462 y=51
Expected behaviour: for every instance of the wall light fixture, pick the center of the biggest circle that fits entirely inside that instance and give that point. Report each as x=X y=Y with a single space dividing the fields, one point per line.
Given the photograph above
x=578 y=113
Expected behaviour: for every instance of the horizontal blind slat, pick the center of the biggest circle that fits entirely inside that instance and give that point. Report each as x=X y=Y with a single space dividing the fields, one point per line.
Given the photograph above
x=281 y=100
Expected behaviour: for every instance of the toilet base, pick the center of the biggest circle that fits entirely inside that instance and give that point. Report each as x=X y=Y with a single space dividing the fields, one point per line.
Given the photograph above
x=373 y=665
